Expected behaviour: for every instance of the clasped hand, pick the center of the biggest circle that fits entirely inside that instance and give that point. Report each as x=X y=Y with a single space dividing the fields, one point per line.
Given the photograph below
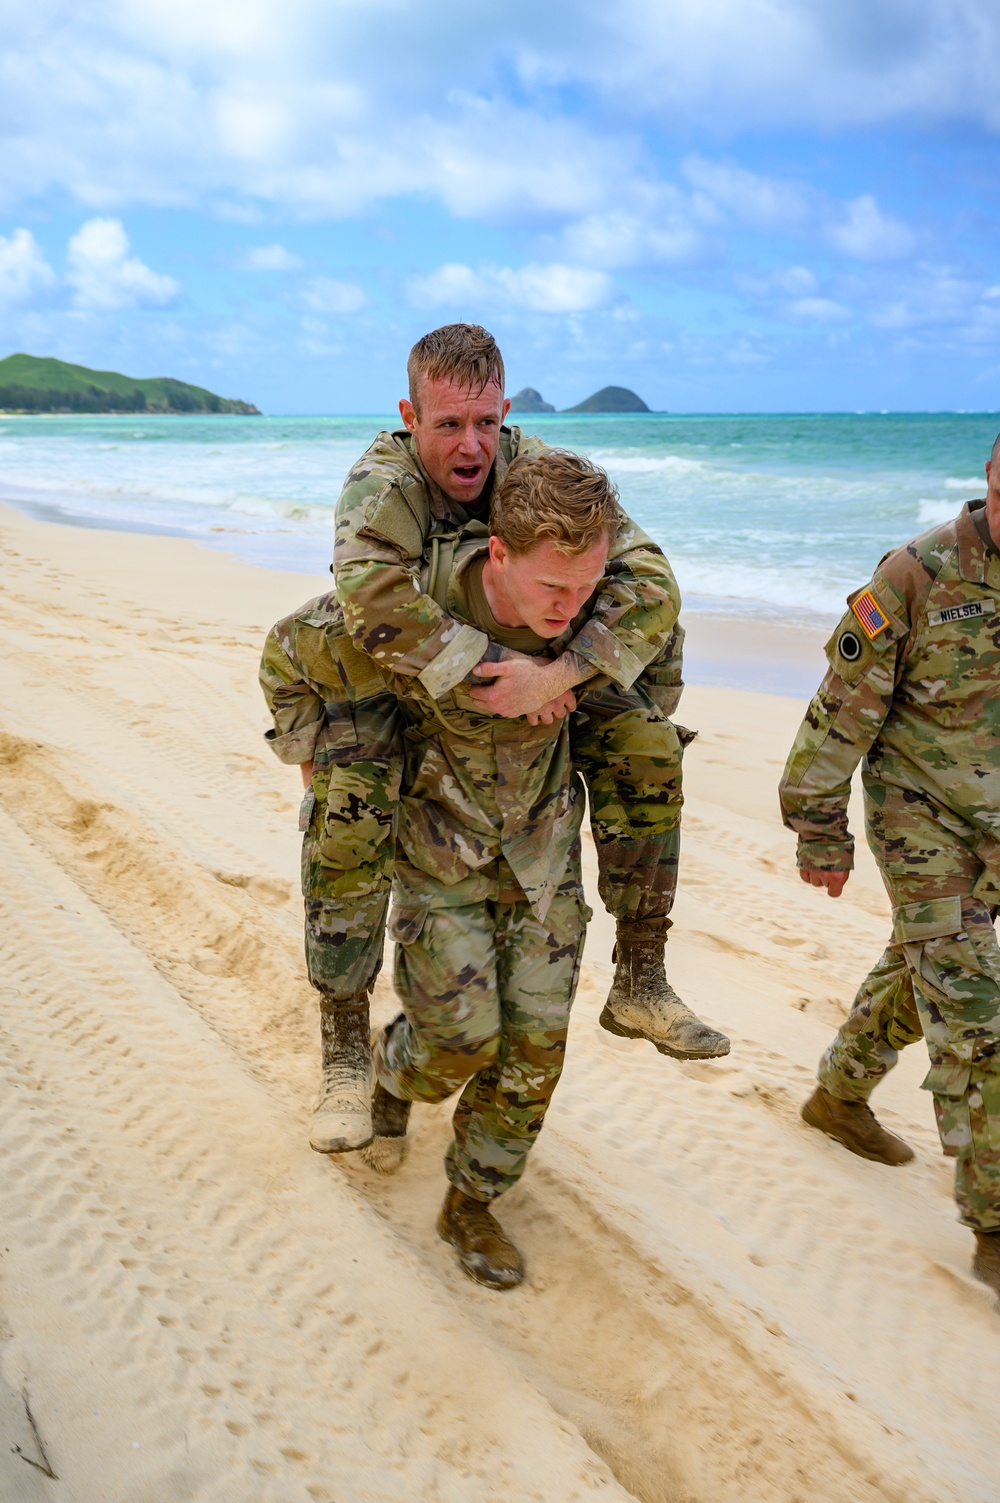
x=524 y=686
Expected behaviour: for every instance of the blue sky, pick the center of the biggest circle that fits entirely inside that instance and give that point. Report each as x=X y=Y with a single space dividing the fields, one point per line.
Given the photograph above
x=724 y=204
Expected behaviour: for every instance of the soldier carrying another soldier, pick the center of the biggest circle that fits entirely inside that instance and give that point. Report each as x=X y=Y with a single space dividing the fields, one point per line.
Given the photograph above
x=403 y=512
x=914 y=688
x=488 y=907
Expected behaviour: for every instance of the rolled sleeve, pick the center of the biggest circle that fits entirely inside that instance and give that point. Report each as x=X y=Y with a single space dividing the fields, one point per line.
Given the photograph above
x=295 y=746
x=607 y=653
x=454 y=662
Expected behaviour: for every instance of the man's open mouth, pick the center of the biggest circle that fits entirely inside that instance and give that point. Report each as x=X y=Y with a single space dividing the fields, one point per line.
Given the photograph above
x=467 y=471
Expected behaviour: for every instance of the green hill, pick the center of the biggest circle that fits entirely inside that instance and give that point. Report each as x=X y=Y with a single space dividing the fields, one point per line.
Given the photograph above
x=29 y=383
x=530 y=400
x=609 y=399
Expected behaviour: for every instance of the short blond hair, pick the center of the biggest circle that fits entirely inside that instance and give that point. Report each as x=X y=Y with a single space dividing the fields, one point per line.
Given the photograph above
x=555 y=497
x=464 y=353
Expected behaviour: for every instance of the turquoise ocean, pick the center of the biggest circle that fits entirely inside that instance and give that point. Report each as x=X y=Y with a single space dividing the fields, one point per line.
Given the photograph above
x=770 y=516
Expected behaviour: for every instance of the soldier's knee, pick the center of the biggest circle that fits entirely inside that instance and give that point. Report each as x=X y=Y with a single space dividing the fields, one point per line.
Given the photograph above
x=465 y=1056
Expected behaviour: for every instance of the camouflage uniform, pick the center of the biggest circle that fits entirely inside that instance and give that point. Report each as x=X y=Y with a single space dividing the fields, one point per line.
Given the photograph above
x=914 y=689
x=396 y=532
x=623 y=742
x=488 y=910
x=489 y=914
x=349 y=726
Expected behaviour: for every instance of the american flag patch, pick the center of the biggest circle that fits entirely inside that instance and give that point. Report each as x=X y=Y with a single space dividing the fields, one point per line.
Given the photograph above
x=870 y=614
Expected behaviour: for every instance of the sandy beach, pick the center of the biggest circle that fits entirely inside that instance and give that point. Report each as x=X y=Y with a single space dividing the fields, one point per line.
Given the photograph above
x=721 y=1304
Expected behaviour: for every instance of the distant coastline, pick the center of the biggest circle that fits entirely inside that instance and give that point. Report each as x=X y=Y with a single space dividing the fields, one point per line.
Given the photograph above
x=38 y=385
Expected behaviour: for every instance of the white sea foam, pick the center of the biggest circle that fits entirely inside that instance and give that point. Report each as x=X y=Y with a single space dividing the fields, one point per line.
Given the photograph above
x=649 y=464
x=932 y=511
x=781 y=515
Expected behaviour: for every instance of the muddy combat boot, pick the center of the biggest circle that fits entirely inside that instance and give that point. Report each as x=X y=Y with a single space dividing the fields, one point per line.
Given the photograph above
x=854 y=1125
x=484 y=1250
x=643 y=1005
x=342 y=1118
x=390 y=1119
x=986 y=1263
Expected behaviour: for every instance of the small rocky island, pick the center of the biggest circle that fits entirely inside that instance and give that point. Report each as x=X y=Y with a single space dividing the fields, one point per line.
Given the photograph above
x=608 y=399
x=611 y=399
x=31 y=383
x=529 y=400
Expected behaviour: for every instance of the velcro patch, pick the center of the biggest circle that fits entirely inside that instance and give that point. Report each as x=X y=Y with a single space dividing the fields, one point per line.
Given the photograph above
x=961 y=612
x=871 y=615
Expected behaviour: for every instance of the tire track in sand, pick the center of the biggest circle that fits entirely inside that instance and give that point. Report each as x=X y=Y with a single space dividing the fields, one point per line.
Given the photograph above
x=686 y=1404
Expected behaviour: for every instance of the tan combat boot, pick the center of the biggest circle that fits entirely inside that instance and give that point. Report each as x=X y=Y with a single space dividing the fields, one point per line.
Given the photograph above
x=390 y=1119
x=643 y=1005
x=342 y=1117
x=986 y=1263
x=484 y=1250
x=854 y=1125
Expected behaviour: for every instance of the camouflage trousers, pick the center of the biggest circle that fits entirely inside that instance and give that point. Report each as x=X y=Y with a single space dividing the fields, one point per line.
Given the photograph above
x=626 y=749
x=348 y=819
x=486 y=989
x=939 y=980
x=629 y=755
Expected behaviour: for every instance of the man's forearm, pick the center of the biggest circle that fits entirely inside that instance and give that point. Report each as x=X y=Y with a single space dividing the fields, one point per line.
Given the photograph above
x=569 y=670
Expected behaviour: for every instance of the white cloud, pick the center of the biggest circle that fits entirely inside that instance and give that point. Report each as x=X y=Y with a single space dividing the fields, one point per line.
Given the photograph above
x=762 y=202
x=869 y=235
x=105 y=276
x=552 y=288
x=660 y=227
x=821 y=310
x=326 y=295
x=24 y=270
x=931 y=296
x=269 y=258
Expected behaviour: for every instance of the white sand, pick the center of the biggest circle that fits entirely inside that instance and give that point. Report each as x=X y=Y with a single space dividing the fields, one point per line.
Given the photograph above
x=721 y=1304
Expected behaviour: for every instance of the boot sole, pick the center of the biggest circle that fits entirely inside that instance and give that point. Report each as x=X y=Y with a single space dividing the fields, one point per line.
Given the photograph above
x=471 y=1271
x=340 y=1145
x=873 y=1158
x=610 y=1023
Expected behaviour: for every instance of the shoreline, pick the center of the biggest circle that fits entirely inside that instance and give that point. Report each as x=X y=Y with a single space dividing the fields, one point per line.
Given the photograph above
x=189 y=1293
x=736 y=649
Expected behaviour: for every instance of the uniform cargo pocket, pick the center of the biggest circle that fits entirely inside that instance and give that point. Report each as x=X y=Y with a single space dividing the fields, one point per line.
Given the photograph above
x=406 y=921
x=359 y=817
x=949 y=1085
x=306 y=808
x=984 y=1108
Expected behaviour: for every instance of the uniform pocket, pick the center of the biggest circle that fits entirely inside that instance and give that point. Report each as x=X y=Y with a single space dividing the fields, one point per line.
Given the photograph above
x=948 y=1082
x=359 y=815
x=984 y=1108
x=406 y=921
x=306 y=808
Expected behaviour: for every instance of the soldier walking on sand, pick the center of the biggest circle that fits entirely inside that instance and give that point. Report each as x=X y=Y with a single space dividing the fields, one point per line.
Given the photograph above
x=914 y=688
x=488 y=908
x=403 y=511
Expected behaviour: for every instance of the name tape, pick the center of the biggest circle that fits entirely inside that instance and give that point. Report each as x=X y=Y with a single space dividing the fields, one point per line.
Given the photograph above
x=961 y=612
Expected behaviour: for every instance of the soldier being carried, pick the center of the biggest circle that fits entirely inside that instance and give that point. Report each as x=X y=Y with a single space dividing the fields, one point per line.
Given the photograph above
x=488 y=908
x=404 y=510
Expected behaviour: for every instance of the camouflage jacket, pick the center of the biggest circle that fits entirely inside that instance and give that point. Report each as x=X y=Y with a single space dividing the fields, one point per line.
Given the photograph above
x=388 y=515
x=476 y=787
x=914 y=688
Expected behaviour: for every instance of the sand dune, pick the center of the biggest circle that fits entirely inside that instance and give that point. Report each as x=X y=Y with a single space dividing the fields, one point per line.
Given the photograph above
x=721 y=1305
